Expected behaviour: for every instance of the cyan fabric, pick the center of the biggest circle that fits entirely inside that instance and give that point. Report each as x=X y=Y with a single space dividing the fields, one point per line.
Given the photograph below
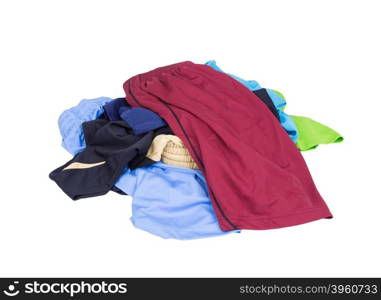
x=70 y=122
x=170 y=201
x=252 y=85
x=287 y=122
x=279 y=94
x=279 y=102
x=141 y=120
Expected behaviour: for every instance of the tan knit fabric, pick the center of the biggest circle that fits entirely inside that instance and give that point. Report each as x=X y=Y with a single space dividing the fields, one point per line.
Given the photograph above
x=178 y=155
x=159 y=143
x=170 y=150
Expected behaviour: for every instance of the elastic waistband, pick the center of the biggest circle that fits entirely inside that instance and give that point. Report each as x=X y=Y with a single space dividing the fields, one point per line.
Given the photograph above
x=164 y=70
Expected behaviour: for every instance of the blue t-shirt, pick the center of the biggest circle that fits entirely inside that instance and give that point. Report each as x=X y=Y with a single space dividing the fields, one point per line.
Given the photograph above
x=170 y=201
x=70 y=122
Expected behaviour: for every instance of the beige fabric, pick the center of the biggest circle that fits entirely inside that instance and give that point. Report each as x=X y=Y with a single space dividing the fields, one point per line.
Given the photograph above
x=178 y=156
x=171 y=150
x=159 y=143
x=79 y=165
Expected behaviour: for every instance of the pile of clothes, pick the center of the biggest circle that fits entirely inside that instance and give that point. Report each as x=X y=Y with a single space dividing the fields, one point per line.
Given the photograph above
x=202 y=153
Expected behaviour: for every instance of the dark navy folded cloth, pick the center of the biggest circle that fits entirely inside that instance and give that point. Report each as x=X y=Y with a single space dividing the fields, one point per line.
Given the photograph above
x=112 y=108
x=141 y=120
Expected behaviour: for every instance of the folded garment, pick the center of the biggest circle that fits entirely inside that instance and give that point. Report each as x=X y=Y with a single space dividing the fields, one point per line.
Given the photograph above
x=112 y=109
x=177 y=155
x=110 y=148
x=139 y=119
x=257 y=178
x=171 y=150
x=170 y=201
x=279 y=102
x=313 y=134
x=70 y=122
x=159 y=143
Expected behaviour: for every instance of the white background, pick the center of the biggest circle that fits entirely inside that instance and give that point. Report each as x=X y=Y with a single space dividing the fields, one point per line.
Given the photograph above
x=323 y=55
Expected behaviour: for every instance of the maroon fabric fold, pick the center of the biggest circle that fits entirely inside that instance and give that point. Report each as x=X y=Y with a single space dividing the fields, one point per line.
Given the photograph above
x=256 y=176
